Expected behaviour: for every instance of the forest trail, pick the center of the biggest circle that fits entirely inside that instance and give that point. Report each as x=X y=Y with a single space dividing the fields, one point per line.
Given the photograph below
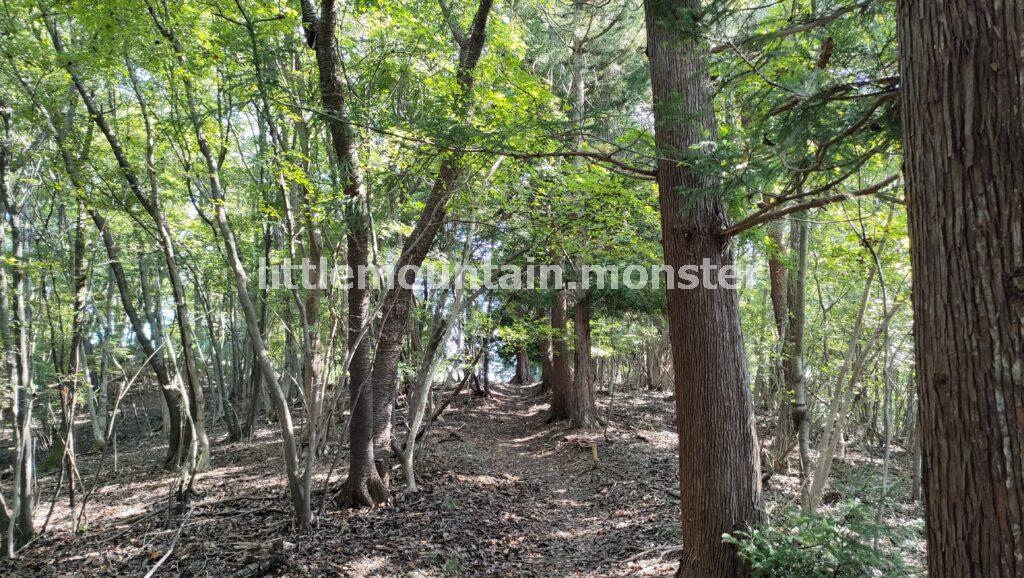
x=502 y=493
x=508 y=494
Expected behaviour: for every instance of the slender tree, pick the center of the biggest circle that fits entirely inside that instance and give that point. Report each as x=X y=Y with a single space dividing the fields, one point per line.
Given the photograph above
x=365 y=485
x=150 y=202
x=21 y=527
x=398 y=299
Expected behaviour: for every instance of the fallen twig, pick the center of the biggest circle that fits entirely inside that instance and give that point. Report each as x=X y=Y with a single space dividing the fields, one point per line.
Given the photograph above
x=174 y=542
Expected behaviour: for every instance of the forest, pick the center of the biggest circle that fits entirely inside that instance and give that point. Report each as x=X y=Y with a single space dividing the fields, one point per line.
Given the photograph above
x=428 y=288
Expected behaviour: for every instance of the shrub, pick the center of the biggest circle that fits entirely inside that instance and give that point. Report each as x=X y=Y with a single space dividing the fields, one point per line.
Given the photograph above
x=836 y=544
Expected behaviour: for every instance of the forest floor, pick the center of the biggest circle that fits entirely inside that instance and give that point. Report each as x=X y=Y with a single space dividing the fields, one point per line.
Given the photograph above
x=502 y=494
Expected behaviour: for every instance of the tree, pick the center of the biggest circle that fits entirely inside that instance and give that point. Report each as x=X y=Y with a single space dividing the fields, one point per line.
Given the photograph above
x=561 y=374
x=414 y=250
x=719 y=468
x=365 y=485
x=580 y=397
x=20 y=527
x=962 y=78
x=195 y=433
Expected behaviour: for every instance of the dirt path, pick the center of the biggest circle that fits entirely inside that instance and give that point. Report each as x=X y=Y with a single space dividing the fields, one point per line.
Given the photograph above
x=511 y=494
x=503 y=494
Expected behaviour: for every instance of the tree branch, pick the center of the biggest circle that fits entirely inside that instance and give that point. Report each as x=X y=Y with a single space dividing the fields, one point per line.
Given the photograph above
x=772 y=213
x=794 y=29
x=453 y=23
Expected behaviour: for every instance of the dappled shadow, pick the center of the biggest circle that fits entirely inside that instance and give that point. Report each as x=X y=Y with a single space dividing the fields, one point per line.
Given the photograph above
x=508 y=494
x=503 y=493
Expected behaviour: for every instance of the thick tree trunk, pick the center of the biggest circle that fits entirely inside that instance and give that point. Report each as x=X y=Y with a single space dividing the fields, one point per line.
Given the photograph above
x=719 y=467
x=561 y=378
x=524 y=374
x=962 y=77
x=580 y=398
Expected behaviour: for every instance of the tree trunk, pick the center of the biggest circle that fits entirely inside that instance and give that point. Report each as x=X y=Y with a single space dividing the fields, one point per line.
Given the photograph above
x=150 y=203
x=561 y=379
x=298 y=482
x=417 y=244
x=365 y=485
x=793 y=409
x=524 y=374
x=154 y=353
x=580 y=398
x=76 y=362
x=794 y=360
x=228 y=410
x=833 y=439
x=97 y=398
x=719 y=464
x=778 y=278
x=963 y=125
x=546 y=369
x=196 y=415
x=20 y=528
x=440 y=330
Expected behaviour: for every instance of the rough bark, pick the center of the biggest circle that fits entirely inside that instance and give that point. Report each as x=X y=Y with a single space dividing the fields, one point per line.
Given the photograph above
x=523 y=374
x=561 y=378
x=580 y=399
x=963 y=125
x=720 y=477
